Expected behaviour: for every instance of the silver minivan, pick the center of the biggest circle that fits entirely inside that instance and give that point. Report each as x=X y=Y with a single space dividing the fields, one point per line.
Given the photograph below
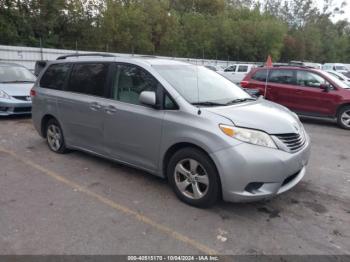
x=179 y=121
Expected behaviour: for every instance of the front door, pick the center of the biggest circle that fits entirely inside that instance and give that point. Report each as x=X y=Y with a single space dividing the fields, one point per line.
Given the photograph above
x=133 y=131
x=313 y=99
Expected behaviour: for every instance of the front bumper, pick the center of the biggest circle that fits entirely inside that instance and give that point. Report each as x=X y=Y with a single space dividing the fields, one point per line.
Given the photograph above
x=15 y=107
x=252 y=173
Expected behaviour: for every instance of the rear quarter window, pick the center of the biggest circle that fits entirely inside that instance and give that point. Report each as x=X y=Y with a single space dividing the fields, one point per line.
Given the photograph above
x=55 y=76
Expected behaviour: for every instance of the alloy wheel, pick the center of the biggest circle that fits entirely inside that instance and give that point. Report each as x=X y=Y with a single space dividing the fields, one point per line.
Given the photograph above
x=345 y=118
x=54 y=137
x=191 y=179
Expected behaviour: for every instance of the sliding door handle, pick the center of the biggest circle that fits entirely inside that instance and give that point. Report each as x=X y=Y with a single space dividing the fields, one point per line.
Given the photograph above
x=95 y=106
x=111 y=109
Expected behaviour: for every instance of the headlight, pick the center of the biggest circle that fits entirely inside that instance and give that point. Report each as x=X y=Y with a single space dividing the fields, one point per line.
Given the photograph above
x=4 y=95
x=248 y=135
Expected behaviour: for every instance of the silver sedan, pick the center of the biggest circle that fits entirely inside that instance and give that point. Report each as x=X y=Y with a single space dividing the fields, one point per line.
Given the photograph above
x=16 y=82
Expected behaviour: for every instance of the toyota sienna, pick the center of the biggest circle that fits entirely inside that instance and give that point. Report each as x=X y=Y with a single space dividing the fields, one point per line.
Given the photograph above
x=179 y=121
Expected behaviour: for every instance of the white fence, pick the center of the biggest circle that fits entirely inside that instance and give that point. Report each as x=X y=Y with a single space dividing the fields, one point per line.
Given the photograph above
x=27 y=56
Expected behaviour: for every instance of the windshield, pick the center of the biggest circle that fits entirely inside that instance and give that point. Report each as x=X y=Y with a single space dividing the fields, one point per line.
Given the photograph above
x=336 y=80
x=198 y=84
x=11 y=74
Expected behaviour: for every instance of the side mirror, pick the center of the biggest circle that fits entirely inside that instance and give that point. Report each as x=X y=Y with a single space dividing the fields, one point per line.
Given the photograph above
x=148 y=98
x=326 y=87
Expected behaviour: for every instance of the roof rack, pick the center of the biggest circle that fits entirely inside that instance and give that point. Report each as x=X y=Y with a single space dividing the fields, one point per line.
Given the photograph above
x=91 y=54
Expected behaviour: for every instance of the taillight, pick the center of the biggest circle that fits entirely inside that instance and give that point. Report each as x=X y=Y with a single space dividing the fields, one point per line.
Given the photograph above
x=244 y=84
x=32 y=92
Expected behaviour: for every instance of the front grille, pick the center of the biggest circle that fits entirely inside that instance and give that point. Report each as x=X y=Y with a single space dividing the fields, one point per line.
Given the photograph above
x=23 y=98
x=293 y=142
x=22 y=109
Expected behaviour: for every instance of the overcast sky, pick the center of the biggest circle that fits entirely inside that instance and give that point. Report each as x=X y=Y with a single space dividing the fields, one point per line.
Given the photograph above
x=346 y=15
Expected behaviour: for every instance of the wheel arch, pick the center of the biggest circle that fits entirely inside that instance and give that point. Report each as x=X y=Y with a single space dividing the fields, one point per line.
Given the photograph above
x=44 y=121
x=342 y=106
x=180 y=145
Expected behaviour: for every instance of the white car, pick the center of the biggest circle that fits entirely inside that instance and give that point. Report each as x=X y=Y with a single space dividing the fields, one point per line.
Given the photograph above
x=341 y=68
x=340 y=76
x=236 y=72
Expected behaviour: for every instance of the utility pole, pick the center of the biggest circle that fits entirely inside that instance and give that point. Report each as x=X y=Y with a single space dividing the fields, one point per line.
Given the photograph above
x=203 y=56
x=41 y=49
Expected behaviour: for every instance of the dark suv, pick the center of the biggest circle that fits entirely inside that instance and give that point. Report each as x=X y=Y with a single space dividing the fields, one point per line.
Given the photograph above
x=304 y=90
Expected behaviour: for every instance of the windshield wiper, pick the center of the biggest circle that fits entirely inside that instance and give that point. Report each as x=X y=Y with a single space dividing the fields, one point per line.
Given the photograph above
x=17 y=81
x=207 y=103
x=241 y=100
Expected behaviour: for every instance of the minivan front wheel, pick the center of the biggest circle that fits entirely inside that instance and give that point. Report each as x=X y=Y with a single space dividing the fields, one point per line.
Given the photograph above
x=344 y=117
x=193 y=177
x=54 y=137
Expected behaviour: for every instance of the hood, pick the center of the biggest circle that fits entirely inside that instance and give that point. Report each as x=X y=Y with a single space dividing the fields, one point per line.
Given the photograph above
x=262 y=115
x=16 y=89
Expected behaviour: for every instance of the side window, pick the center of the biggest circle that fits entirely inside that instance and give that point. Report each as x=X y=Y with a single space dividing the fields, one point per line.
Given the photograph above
x=55 y=76
x=169 y=104
x=130 y=82
x=309 y=79
x=282 y=77
x=243 y=69
x=89 y=78
x=231 y=69
x=260 y=75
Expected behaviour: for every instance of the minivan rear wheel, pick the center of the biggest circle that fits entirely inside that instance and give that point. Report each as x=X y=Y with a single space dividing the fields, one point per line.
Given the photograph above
x=54 y=137
x=193 y=177
x=344 y=117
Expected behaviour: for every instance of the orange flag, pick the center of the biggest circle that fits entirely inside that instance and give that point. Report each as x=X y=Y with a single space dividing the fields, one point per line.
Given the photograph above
x=268 y=62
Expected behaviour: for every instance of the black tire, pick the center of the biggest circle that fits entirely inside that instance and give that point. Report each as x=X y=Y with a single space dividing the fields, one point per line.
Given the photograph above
x=206 y=166
x=340 y=116
x=61 y=148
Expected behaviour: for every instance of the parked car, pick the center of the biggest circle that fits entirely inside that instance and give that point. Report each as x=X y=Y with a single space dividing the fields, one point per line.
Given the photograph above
x=39 y=66
x=15 y=84
x=305 y=91
x=340 y=76
x=335 y=67
x=175 y=120
x=235 y=73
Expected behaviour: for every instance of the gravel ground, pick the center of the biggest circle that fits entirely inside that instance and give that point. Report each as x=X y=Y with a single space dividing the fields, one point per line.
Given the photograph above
x=81 y=204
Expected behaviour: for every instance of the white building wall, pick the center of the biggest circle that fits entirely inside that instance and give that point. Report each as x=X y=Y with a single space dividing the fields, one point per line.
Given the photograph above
x=27 y=56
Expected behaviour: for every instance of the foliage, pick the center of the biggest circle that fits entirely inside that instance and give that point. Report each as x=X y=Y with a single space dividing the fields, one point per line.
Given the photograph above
x=214 y=29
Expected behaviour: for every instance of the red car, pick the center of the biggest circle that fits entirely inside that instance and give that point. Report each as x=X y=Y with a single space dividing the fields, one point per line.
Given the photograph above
x=306 y=91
